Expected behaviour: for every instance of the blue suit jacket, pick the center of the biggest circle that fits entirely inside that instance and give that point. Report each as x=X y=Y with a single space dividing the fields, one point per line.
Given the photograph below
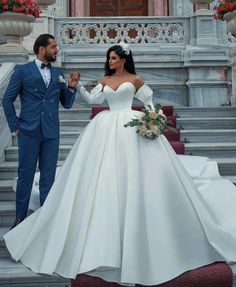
x=39 y=104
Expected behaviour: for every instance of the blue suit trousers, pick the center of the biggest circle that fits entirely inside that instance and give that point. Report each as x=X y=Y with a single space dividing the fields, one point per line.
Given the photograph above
x=30 y=151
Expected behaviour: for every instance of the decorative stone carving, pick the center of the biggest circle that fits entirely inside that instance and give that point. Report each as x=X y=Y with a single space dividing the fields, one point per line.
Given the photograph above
x=181 y=8
x=58 y=9
x=104 y=33
x=45 y=3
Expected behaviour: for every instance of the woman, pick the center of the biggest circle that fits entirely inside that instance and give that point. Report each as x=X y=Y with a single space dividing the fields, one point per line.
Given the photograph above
x=122 y=207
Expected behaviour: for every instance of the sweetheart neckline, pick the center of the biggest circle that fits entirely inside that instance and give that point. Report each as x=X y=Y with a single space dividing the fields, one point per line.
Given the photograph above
x=120 y=86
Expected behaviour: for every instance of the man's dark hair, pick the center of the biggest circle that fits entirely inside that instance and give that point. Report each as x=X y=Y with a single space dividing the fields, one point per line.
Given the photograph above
x=42 y=40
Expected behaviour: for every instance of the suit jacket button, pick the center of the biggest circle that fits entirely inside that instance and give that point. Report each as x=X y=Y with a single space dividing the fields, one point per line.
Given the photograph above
x=35 y=90
x=42 y=113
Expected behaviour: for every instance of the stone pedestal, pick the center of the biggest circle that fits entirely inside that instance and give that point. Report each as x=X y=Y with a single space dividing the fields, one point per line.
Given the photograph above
x=207 y=77
x=203 y=29
x=14 y=26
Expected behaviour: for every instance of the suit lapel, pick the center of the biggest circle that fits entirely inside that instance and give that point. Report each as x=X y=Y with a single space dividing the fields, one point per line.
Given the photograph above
x=53 y=77
x=36 y=74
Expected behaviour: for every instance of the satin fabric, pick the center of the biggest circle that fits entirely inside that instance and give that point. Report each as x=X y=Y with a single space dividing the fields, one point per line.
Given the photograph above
x=124 y=208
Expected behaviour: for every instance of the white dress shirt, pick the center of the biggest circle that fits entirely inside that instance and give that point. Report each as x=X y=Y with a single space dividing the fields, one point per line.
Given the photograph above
x=45 y=73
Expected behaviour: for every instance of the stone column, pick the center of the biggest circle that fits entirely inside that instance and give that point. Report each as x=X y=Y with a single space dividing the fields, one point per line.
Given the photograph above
x=160 y=7
x=77 y=8
x=180 y=7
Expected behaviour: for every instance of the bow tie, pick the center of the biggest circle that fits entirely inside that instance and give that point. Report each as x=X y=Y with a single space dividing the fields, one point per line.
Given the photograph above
x=48 y=65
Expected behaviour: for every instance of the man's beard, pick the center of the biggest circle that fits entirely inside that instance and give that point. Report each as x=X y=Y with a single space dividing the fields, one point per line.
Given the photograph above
x=49 y=58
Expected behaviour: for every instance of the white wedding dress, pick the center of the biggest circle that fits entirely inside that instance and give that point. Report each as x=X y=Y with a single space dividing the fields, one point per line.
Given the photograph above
x=124 y=208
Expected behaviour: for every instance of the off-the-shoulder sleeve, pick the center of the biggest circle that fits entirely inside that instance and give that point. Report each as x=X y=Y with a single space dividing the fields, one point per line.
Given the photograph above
x=144 y=94
x=96 y=96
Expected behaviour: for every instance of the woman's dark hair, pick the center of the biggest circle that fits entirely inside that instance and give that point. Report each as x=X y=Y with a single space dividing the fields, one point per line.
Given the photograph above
x=42 y=40
x=128 y=65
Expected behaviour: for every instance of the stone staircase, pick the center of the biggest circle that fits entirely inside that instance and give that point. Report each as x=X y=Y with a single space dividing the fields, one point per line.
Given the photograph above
x=206 y=131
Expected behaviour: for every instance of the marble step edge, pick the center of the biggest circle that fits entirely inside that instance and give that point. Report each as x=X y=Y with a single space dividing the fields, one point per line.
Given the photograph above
x=16 y=274
x=208 y=131
x=217 y=111
x=187 y=131
x=198 y=146
x=211 y=146
x=6 y=185
x=12 y=165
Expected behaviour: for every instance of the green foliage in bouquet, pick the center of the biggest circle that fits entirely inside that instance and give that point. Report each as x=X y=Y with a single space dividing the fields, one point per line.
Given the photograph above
x=150 y=123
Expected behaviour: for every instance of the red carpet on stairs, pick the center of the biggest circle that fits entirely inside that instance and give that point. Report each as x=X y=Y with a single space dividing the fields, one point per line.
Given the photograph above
x=172 y=136
x=214 y=275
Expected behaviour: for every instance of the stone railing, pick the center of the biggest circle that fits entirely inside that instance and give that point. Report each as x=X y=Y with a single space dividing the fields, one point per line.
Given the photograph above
x=151 y=31
x=134 y=30
x=5 y=135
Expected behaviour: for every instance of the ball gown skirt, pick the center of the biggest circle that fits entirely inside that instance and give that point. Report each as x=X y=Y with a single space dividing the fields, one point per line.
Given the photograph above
x=125 y=209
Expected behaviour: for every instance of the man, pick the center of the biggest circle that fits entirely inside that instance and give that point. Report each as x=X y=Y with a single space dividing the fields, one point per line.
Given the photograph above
x=40 y=87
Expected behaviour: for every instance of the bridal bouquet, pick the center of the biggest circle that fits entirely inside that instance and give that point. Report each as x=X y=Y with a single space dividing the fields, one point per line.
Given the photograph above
x=151 y=123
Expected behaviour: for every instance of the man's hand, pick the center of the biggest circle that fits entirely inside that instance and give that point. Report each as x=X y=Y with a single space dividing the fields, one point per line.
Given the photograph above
x=73 y=80
x=17 y=132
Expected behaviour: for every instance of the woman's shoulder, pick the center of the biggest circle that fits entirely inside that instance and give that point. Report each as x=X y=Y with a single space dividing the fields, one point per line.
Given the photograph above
x=138 y=81
x=104 y=80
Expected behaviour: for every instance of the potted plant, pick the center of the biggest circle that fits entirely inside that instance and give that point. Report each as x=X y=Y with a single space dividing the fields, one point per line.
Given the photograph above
x=16 y=17
x=226 y=10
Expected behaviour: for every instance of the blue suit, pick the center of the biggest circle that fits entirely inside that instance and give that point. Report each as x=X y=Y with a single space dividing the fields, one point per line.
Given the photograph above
x=38 y=125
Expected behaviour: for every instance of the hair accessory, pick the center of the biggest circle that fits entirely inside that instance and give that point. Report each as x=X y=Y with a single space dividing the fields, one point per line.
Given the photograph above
x=125 y=47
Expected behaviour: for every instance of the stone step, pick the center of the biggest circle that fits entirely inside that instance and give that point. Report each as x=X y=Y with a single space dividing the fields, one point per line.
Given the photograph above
x=6 y=190
x=213 y=136
x=206 y=123
x=227 y=166
x=3 y=250
x=79 y=112
x=73 y=125
x=186 y=136
x=66 y=138
x=7 y=213
x=15 y=274
x=211 y=149
x=11 y=153
x=76 y=113
x=201 y=149
x=8 y=170
x=188 y=112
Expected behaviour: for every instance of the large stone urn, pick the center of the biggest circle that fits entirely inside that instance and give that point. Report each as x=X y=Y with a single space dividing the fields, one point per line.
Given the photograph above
x=202 y=4
x=230 y=18
x=14 y=26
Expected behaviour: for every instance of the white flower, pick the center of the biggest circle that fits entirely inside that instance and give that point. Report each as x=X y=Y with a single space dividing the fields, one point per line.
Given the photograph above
x=153 y=115
x=148 y=134
x=160 y=112
x=61 y=79
x=125 y=47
